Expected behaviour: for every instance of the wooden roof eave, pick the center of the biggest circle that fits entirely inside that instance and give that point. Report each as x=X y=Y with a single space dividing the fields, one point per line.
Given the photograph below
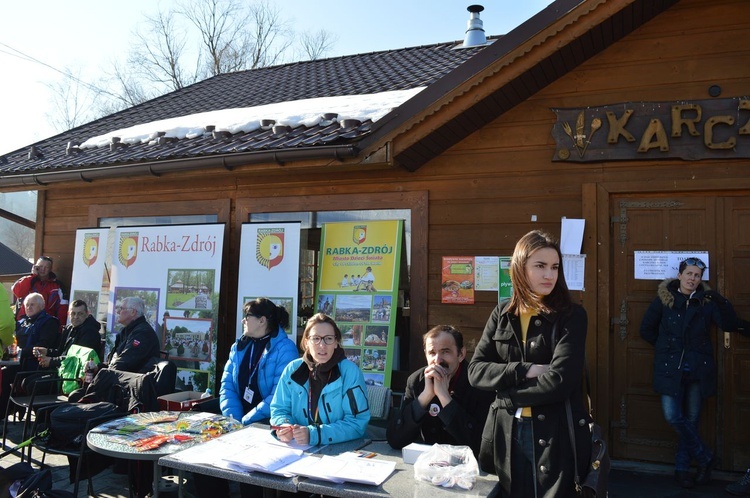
x=503 y=75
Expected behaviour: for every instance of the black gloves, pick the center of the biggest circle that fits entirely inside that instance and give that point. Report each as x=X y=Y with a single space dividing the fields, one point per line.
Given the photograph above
x=716 y=297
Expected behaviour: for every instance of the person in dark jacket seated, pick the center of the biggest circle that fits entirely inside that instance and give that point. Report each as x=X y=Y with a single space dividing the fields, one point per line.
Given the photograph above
x=137 y=344
x=439 y=404
x=36 y=328
x=83 y=330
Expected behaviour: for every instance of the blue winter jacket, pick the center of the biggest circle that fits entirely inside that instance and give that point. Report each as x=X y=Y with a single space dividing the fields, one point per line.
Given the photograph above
x=342 y=407
x=279 y=351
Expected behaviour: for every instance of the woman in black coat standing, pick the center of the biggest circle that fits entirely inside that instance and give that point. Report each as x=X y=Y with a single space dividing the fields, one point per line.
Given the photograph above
x=678 y=324
x=532 y=355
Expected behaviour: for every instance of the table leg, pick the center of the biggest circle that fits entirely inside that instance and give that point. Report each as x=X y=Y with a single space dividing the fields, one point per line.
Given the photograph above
x=180 y=476
x=157 y=479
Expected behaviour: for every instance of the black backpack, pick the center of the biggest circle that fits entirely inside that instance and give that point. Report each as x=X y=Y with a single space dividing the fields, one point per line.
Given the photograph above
x=68 y=422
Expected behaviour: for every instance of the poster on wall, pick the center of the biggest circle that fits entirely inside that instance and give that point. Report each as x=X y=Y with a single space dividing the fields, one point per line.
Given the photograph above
x=658 y=265
x=457 y=280
x=358 y=286
x=90 y=270
x=176 y=270
x=504 y=285
x=269 y=267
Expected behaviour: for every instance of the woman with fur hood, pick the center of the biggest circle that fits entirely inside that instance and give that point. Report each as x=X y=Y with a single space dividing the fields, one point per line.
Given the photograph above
x=678 y=324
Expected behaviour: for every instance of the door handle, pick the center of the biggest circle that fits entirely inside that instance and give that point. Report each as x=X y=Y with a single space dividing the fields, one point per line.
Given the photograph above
x=727 y=340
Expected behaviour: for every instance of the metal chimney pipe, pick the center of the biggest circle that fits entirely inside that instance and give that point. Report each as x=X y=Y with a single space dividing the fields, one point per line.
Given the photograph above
x=475 y=28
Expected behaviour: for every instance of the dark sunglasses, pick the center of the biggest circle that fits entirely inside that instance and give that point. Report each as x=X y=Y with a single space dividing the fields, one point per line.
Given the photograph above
x=694 y=262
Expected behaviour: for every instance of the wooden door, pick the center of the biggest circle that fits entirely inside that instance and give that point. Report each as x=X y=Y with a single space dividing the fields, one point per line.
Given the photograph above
x=734 y=349
x=648 y=223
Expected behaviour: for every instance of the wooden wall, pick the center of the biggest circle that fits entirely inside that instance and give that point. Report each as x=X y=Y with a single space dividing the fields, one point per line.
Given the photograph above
x=484 y=191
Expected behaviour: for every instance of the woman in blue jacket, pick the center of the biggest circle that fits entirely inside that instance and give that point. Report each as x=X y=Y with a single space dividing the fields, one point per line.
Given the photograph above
x=250 y=377
x=322 y=398
x=255 y=362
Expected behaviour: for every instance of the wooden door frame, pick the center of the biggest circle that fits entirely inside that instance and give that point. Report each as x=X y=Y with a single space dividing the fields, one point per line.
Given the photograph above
x=596 y=200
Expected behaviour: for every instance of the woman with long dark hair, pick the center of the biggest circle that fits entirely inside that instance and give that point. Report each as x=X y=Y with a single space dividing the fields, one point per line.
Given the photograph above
x=531 y=355
x=256 y=361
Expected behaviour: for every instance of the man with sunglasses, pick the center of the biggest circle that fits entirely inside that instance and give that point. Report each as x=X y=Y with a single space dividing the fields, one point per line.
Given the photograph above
x=678 y=324
x=440 y=406
x=43 y=281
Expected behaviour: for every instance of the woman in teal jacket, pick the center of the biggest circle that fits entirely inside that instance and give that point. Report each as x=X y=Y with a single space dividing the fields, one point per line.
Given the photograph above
x=322 y=398
x=255 y=362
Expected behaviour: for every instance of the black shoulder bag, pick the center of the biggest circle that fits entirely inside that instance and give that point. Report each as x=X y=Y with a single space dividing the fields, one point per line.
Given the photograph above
x=596 y=480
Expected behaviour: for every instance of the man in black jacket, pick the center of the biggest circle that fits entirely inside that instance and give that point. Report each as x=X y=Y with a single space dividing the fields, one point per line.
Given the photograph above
x=137 y=344
x=439 y=404
x=83 y=330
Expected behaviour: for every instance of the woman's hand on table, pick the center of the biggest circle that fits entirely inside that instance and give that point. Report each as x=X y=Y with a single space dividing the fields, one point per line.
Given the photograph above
x=301 y=434
x=285 y=433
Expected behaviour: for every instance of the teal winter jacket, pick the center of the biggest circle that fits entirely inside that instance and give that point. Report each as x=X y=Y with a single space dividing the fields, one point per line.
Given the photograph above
x=343 y=410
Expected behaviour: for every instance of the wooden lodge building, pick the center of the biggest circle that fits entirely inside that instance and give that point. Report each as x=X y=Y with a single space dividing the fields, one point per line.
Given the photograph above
x=633 y=115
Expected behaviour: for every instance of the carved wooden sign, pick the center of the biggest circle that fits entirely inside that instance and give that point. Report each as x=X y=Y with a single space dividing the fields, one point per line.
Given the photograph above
x=691 y=130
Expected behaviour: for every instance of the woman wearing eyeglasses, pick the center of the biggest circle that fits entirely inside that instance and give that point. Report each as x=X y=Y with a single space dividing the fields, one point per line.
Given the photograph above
x=678 y=324
x=322 y=398
x=256 y=361
x=249 y=381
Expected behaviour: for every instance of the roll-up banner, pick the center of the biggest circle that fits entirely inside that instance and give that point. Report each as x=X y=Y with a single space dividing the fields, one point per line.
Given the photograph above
x=176 y=270
x=358 y=286
x=269 y=267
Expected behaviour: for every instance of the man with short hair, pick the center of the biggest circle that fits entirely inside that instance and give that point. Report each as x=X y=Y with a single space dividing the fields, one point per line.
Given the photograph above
x=83 y=330
x=36 y=328
x=136 y=344
x=439 y=404
x=44 y=281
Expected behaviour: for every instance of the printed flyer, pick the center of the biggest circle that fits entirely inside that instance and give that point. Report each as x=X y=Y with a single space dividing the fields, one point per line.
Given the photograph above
x=458 y=280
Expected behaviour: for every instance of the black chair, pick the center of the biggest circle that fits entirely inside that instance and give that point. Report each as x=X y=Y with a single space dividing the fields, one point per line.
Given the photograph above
x=45 y=390
x=78 y=451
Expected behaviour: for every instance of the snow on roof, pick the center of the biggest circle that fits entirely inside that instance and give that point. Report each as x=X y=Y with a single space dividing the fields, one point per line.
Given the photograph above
x=305 y=112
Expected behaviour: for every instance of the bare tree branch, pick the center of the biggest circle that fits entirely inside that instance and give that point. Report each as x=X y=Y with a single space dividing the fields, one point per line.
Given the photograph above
x=70 y=102
x=317 y=45
x=210 y=36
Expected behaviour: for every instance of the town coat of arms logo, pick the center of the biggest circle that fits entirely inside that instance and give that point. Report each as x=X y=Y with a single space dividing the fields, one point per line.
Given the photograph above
x=90 y=248
x=128 y=248
x=359 y=234
x=269 y=247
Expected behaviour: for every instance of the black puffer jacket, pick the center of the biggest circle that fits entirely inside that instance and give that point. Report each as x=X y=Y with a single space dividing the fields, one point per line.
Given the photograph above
x=679 y=327
x=135 y=347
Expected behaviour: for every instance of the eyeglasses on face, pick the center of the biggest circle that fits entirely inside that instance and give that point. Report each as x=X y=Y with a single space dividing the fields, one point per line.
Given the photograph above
x=248 y=315
x=327 y=339
x=695 y=262
x=122 y=308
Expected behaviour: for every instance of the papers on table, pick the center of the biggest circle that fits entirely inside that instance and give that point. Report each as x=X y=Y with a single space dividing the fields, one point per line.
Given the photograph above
x=344 y=469
x=255 y=449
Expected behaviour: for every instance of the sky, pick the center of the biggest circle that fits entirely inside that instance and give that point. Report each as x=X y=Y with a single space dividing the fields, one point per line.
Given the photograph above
x=86 y=35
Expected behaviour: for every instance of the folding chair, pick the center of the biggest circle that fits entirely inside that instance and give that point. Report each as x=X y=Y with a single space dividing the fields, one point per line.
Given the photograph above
x=380 y=400
x=46 y=391
x=80 y=451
